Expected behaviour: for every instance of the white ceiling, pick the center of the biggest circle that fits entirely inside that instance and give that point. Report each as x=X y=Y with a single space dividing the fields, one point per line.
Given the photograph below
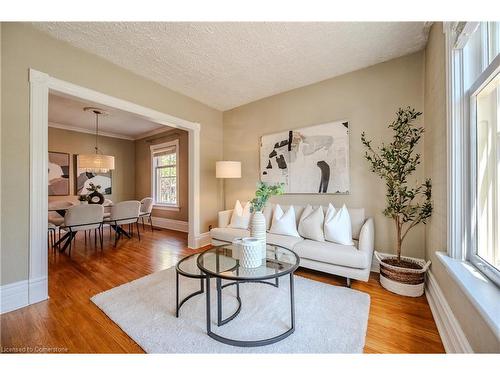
x=67 y=113
x=227 y=64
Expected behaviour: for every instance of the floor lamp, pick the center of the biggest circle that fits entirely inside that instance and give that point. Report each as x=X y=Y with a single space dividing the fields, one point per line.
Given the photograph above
x=227 y=169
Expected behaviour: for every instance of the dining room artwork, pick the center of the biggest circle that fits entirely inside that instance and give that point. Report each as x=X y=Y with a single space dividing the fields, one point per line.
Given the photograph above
x=58 y=170
x=84 y=179
x=313 y=159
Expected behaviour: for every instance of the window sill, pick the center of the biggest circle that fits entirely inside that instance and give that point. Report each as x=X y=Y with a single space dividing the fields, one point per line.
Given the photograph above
x=165 y=207
x=480 y=290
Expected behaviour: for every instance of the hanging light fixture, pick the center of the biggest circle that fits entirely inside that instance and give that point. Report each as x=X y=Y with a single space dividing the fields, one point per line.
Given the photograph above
x=96 y=163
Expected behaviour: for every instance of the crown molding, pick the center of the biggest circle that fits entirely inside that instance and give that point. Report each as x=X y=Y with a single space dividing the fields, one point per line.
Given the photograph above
x=154 y=132
x=88 y=131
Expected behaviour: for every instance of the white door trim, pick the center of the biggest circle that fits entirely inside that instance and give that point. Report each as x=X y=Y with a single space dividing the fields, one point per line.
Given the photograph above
x=40 y=84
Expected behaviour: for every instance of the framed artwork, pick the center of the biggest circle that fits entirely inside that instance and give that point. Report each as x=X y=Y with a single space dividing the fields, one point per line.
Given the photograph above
x=84 y=178
x=314 y=159
x=58 y=173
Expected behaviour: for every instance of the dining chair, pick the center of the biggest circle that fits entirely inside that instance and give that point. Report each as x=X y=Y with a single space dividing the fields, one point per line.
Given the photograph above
x=146 y=209
x=83 y=218
x=54 y=217
x=51 y=236
x=122 y=213
x=107 y=211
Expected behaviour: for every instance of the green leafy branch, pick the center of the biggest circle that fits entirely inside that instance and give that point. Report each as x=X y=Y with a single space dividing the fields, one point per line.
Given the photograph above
x=263 y=193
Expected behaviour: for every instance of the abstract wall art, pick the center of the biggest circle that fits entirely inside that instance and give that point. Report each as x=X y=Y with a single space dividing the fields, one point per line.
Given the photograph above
x=84 y=178
x=58 y=173
x=314 y=159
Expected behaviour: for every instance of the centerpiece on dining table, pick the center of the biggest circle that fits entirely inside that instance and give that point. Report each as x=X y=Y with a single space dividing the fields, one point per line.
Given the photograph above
x=94 y=196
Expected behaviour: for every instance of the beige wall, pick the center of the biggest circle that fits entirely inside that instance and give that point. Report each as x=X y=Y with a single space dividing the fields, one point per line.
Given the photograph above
x=479 y=334
x=74 y=143
x=143 y=171
x=22 y=48
x=368 y=99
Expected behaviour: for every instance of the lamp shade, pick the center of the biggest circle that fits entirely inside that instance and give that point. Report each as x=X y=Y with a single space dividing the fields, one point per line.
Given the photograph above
x=228 y=169
x=96 y=163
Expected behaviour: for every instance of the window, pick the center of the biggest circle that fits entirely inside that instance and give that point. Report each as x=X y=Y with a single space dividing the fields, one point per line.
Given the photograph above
x=473 y=69
x=165 y=177
x=485 y=171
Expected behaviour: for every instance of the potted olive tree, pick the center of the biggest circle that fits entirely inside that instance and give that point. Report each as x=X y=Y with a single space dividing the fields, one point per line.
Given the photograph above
x=406 y=205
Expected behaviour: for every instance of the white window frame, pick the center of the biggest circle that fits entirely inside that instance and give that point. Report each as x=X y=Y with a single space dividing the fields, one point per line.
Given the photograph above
x=484 y=79
x=155 y=149
x=461 y=189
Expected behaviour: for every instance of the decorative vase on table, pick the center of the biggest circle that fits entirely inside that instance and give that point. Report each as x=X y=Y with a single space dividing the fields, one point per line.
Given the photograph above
x=258 y=222
x=95 y=197
x=250 y=253
x=258 y=230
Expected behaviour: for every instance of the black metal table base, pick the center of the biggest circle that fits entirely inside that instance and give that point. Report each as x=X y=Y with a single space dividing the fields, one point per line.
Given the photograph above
x=220 y=321
x=178 y=304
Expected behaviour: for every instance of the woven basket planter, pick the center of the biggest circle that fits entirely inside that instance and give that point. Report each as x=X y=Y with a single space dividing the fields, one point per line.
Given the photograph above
x=401 y=280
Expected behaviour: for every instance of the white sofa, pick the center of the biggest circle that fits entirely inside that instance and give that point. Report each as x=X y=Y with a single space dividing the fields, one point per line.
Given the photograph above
x=352 y=262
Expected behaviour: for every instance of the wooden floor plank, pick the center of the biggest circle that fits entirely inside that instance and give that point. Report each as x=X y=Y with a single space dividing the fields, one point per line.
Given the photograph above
x=70 y=322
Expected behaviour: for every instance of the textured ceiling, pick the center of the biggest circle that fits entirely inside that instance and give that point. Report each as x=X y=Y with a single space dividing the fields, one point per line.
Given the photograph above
x=67 y=112
x=225 y=65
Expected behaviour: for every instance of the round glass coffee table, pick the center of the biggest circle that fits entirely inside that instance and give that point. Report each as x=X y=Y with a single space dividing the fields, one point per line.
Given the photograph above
x=222 y=263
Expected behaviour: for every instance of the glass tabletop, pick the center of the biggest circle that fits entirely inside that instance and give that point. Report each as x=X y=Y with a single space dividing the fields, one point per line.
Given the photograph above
x=221 y=261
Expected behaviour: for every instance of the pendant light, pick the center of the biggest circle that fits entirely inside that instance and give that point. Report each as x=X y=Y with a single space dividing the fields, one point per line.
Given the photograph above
x=97 y=162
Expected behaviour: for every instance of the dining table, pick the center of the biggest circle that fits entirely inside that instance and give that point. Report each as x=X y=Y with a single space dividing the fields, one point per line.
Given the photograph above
x=67 y=237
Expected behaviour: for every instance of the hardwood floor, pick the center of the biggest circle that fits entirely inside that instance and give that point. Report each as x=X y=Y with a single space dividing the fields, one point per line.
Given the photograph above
x=69 y=322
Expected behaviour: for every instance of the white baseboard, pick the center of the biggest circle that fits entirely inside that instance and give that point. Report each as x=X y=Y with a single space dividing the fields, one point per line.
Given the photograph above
x=452 y=335
x=22 y=293
x=14 y=296
x=38 y=289
x=375 y=265
x=202 y=240
x=178 y=225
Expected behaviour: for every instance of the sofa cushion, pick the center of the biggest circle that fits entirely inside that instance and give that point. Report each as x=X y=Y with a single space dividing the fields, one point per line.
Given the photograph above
x=240 y=219
x=311 y=223
x=332 y=253
x=284 y=222
x=288 y=242
x=357 y=216
x=228 y=234
x=338 y=227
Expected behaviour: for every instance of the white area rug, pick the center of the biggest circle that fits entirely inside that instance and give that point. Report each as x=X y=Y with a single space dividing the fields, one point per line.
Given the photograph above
x=329 y=319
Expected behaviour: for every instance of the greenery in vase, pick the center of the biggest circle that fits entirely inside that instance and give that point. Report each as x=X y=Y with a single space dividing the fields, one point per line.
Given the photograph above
x=93 y=187
x=395 y=162
x=263 y=193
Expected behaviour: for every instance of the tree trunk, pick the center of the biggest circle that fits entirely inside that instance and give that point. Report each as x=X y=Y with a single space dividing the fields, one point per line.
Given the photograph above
x=398 y=238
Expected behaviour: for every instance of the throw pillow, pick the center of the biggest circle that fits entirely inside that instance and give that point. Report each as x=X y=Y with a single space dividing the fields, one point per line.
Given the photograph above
x=284 y=222
x=338 y=226
x=241 y=216
x=311 y=223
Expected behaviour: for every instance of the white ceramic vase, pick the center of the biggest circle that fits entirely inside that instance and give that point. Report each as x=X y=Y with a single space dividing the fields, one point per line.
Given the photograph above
x=258 y=230
x=250 y=253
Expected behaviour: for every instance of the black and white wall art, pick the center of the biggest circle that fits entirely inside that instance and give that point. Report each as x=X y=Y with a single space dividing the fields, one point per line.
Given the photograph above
x=83 y=180
x=58 y=173
x=314 y=159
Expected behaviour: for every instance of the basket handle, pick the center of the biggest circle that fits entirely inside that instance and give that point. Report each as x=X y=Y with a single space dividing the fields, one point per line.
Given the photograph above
x=377 y=255
x=426 y=266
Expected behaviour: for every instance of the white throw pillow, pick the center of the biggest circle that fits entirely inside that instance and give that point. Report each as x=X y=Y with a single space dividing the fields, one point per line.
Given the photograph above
x=311 y=223
x=241 y=216
x=284 y=222
x=338 y=226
